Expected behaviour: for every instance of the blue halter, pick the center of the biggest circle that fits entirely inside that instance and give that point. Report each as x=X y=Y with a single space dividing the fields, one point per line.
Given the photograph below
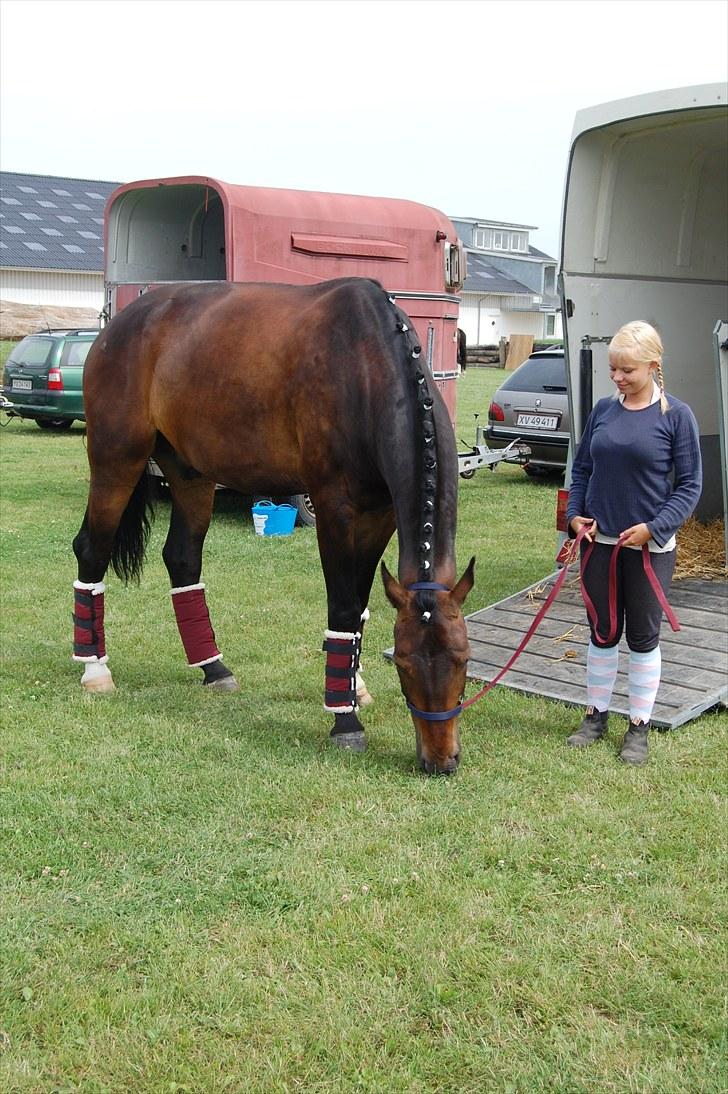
x=427 y=586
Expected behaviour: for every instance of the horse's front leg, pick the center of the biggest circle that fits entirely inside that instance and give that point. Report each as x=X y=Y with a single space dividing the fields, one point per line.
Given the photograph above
x=335 y=529
x=374 y=529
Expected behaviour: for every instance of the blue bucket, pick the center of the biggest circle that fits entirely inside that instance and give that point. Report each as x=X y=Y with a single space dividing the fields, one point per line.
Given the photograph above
x=273 y=520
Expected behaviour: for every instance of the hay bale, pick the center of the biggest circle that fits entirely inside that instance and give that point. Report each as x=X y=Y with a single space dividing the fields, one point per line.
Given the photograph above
x=701 y=550
x=18 y=320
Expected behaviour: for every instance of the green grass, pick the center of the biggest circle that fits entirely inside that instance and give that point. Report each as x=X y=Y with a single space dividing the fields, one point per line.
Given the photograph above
x=199 y=894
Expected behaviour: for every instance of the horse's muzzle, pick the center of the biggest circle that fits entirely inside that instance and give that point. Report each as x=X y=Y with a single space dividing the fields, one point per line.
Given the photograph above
x=437 y=765
x=449 y=767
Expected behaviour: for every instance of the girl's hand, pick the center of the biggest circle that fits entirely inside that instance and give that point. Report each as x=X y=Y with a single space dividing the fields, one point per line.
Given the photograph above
x=635 y=536
x=578 y=522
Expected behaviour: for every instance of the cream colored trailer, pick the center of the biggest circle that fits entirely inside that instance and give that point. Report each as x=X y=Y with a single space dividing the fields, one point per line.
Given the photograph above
x=645 y=236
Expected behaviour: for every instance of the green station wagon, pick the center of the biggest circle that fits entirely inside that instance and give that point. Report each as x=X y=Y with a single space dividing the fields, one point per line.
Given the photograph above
x=43 y=377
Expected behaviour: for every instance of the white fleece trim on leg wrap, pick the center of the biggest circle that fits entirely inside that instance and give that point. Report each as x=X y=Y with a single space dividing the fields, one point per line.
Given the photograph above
x=188 y=588
x=96 y=588
x=95 y=669
x=207 y=661
x=342 y=634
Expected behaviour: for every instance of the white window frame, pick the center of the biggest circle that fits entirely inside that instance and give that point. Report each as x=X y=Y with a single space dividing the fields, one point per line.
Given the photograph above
x=500 y=239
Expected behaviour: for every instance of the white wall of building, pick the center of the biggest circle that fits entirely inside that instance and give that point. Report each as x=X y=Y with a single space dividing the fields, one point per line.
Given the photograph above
x=59 y=288
x=485 y=324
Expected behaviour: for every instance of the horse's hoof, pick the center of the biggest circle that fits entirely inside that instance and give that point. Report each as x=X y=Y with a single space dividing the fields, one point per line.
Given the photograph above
x=97 y=679
x=355 y=742
x=99 y=685
x=225 y=683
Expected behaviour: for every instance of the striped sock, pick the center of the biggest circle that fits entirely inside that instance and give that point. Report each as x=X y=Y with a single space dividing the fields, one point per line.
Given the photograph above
x=644 y=680
x=601 y=672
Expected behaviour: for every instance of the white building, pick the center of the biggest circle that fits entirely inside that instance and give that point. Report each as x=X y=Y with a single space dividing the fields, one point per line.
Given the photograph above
x=510 y=286
x=52 y=240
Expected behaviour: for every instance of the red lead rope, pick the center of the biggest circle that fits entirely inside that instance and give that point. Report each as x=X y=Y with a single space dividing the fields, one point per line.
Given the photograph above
x=568 y=557
x=649 y=574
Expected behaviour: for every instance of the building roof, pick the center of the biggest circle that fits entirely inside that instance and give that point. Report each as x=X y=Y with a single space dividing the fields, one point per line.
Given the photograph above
x=50 y=223
x=484 y=278
x=535 y=253
x=485 y=222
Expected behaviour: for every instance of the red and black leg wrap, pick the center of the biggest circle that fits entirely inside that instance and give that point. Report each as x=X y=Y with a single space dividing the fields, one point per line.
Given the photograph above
x=195 y=628
x=342 y=661
x=89 y=640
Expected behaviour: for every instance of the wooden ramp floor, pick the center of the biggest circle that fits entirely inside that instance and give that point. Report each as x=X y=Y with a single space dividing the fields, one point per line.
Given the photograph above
x=694 y=659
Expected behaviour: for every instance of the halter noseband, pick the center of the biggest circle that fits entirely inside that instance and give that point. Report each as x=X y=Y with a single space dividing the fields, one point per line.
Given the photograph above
x=430 y=715
x=424 y=586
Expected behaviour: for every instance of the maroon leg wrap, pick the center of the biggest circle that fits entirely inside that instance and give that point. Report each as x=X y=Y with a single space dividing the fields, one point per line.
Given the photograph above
x=89 y=640
x=342 y=661
x=193 y=622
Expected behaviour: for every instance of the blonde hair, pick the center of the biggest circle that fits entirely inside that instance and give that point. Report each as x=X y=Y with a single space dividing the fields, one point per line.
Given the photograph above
x=641 y=342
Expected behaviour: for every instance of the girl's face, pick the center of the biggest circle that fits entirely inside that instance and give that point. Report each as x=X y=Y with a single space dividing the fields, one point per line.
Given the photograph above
x=631 y=377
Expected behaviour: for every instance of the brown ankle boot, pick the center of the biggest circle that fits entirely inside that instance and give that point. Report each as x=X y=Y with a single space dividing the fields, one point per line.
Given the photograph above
x=592 y=728
x=634 y=745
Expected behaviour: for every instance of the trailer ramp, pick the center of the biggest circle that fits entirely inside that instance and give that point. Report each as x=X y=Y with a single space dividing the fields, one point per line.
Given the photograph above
x=553 y=665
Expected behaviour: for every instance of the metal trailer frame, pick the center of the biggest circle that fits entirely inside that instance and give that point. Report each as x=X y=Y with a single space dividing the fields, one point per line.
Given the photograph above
x=480 y=455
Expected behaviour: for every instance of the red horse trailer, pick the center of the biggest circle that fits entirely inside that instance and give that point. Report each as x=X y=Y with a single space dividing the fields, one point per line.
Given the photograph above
x=195 y=228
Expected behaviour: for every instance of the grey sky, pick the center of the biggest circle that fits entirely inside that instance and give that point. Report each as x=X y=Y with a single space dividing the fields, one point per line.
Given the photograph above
x=467 y=106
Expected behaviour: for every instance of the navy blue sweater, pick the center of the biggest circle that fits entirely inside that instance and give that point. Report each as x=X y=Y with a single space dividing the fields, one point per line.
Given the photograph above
x=637 y=466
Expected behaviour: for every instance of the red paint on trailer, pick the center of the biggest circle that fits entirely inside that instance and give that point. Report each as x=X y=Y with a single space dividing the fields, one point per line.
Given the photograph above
x=195 y=228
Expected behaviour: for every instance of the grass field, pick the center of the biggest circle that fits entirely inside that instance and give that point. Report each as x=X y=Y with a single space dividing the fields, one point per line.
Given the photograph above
x=200 y=894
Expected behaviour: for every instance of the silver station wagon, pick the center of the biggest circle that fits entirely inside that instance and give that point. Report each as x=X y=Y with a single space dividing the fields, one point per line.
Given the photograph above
x=532 y=406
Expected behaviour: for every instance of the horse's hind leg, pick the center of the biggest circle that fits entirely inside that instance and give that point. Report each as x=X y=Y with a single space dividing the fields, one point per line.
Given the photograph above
x=114 y=510
x=192 y=502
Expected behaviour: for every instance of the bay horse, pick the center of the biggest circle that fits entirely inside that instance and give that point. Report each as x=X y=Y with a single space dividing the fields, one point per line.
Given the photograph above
x=281 y=389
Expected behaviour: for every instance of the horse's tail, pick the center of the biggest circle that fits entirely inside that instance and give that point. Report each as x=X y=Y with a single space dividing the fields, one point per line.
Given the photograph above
x=130 y=541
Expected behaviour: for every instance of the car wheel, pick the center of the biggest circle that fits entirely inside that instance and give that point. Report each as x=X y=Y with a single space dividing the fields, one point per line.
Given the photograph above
x=305 y=512
x=54 y=423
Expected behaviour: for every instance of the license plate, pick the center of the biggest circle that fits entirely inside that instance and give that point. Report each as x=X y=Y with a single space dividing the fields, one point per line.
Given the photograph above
x=538 y=421
x=22 y=385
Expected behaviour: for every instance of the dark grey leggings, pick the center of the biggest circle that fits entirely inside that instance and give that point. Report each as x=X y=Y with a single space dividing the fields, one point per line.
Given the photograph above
x=637 y=605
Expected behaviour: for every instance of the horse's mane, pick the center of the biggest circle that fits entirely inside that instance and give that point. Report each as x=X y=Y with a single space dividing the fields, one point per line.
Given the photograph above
x=426 y=530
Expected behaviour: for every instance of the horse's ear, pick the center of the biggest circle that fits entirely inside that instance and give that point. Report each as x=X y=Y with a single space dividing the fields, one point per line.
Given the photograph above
x=396 y=595
x=465 y=584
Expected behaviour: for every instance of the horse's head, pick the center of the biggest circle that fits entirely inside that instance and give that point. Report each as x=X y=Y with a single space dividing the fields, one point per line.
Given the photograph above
x=431 y=654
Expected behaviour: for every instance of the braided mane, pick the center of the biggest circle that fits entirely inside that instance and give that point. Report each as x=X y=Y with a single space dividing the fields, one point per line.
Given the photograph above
x=428 y=468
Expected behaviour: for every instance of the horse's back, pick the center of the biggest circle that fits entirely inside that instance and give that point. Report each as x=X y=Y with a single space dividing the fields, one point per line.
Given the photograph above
x=271 y=371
